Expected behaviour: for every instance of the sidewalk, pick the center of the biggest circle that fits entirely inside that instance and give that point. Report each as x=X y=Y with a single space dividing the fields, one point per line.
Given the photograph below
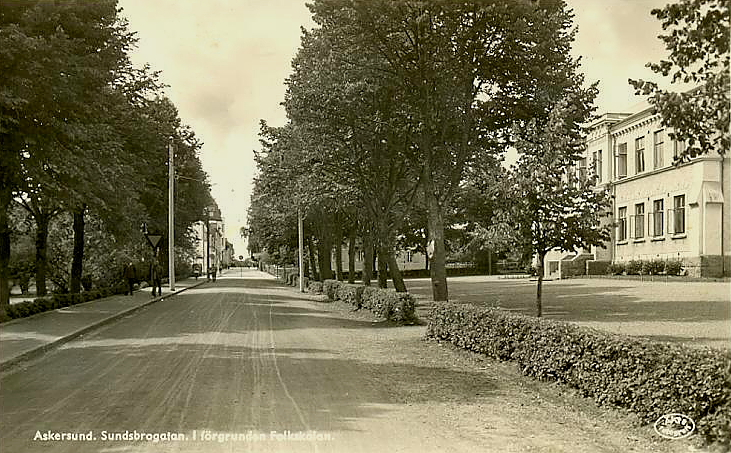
x=26 y=338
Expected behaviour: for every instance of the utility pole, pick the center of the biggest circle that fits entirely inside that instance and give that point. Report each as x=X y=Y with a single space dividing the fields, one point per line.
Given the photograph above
x=171 y=216
x=208 y=244
x=301 y=250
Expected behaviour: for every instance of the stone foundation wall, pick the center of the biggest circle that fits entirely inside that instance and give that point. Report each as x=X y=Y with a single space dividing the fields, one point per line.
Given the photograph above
x=711 y=266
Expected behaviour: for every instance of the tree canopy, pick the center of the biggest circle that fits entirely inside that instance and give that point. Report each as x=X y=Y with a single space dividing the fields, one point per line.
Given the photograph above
x=83 y=131
x=697 y=41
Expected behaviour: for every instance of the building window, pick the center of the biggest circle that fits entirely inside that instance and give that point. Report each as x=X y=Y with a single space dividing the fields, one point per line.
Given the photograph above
x=657 y=218
x=582 y=170
x=639 y=221
x=678 y=148
x=679 y=214
x=598 y=165
x=622 y=224
x=658 y=148
x=409 y=256
x=639 y=154
x=622 y=160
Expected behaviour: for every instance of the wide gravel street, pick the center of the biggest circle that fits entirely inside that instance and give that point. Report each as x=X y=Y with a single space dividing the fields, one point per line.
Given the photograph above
x=245 y=364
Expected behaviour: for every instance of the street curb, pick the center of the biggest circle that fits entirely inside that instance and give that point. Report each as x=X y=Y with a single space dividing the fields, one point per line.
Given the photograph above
x=40 y=350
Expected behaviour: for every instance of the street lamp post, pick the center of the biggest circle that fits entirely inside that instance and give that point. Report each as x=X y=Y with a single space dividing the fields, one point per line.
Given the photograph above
x=171 y=217
x=208 y=243
x=301 y=250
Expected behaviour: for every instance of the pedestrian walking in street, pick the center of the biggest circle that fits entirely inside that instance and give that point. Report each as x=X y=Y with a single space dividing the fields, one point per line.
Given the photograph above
x=156 y=277
x=213 y=273
x=130 y=274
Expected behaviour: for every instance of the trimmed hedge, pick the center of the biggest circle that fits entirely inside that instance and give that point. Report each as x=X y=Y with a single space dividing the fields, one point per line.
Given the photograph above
x=597 y=267
x=648 y=378
x=55 y=301
x=646 y=267
x=385 y=303
x=314 y=287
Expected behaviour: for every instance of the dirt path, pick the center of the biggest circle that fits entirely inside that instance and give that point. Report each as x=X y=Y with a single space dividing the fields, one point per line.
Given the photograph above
x=246 y=357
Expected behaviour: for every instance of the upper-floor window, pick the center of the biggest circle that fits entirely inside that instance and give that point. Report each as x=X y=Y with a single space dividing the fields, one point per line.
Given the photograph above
x=678 y=148
x=639 y=220
x=658 y=225
x=639 y=154
x=582 y=170
x=679 y=214
x=622 y=224
x=658 y=150
x=622 y=160
x=598 y=165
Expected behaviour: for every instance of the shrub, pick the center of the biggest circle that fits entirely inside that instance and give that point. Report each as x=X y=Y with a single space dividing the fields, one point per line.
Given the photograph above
x=330 y=287
x=41 y=304
x=674 y=267
x=633 y=267
x=649 y=378
x=653 y=267
x=315 y=287
x=399 y=307
x=597 y=267
x=385 y=303
x=615 y=269
x=351 y=293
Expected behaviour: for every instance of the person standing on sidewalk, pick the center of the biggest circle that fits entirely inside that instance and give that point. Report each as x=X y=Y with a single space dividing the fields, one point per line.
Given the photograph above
x=130 y=274
x=156 y=275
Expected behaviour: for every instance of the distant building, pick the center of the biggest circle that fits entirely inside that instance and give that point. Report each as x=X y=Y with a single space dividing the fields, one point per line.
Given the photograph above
x=659 y=211
x=406 y=259
x=212 y=240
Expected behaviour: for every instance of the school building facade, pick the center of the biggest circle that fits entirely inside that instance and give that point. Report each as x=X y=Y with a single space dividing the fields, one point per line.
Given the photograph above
x=660 y=211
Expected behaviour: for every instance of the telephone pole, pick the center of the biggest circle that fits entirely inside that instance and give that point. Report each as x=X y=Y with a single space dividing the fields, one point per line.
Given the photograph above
x=171 y=216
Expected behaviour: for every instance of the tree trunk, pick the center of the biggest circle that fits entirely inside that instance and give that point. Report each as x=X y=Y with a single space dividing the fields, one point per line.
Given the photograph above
x=313 y=259
x=539 y=286
x=306 y=264
x=396 y=277
x=324 y=252
x=382 y=268
x=437 y=264
x=42 y=222
x=426 y=255
x=367 y=259
x=78 y=254
x=5 y=200
x=338 y=249
x=351 y=257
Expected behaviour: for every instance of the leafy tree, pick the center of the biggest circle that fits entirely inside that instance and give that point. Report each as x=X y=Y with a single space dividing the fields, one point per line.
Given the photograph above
x=288 y=184
x=698 y=46
x=61 y=65
x=547 y=206
x=464 y=72
x=80 y=132
x=352 y=123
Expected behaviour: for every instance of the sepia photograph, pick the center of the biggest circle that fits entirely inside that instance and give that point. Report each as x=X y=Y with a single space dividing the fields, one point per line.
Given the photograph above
x=316 y=226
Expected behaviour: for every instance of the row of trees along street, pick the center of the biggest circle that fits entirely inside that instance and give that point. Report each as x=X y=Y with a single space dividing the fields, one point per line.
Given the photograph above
x=399 y=118
x=85 y=138
x=401 y=108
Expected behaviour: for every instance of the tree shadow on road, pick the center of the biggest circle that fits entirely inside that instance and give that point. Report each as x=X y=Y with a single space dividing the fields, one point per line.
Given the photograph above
x=203 y=386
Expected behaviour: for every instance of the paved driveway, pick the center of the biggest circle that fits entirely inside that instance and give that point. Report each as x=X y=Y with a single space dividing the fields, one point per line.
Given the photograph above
x=697 y=313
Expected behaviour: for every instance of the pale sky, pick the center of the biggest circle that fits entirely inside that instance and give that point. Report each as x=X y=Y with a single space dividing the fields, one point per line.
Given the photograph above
x=226 y=61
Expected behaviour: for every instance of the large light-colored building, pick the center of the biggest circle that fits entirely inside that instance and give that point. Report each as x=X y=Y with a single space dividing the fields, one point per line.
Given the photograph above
x=660 y=211
x=211 y=241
